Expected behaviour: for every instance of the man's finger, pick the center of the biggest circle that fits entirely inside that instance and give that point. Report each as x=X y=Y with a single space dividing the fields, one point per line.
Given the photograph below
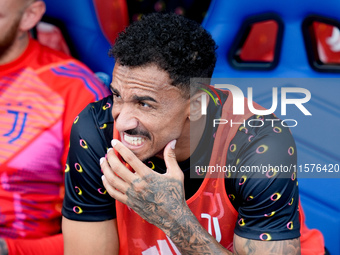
x=116 y=194
x=130 y=158
x=118 y=167
x=170 y=158
x=112 y=179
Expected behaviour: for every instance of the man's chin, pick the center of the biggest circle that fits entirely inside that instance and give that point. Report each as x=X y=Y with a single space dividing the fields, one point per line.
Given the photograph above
x=160 y=154
x=143 y=157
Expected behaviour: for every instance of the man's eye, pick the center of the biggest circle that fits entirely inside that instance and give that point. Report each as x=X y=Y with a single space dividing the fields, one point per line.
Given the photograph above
x=116 y=95
x=144 y=104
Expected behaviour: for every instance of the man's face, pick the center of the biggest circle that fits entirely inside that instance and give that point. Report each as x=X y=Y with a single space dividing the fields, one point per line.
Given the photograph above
x=148 y=111
x=10 y=16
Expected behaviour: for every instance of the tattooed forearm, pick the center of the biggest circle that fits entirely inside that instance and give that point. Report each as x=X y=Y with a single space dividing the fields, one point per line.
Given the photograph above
x=191 y=238
x=159 y=202
x=163 y=204
x=3 y=247
x=244 y=246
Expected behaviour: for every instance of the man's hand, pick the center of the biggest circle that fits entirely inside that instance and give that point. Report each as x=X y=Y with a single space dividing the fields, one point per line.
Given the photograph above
x=158 y=198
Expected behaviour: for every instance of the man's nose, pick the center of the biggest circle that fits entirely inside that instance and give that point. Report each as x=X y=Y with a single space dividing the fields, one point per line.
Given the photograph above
x=124 y=118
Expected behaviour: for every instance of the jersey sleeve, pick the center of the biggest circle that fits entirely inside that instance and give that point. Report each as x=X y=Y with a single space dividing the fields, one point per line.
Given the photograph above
x=85 y=196
x=264 y=187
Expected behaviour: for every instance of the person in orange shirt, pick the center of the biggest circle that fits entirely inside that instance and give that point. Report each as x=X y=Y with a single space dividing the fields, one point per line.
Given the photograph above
x=41 y=93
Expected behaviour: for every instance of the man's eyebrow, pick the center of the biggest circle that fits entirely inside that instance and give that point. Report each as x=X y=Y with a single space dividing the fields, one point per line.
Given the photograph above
x=144 y=98
x=135 y=97
x=113 y=90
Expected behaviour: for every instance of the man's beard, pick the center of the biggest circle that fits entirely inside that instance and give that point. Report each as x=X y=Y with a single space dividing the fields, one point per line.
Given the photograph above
x=9 y=38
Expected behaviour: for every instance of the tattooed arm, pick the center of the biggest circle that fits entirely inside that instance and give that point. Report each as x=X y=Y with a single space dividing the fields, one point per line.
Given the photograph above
x=159 y=199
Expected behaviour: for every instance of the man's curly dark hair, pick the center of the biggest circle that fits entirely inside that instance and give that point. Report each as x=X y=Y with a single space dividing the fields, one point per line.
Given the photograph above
x=176 y=44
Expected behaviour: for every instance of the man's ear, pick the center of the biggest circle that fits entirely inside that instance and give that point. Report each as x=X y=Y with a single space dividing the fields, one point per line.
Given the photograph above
x=198 y=102
x=32 y=15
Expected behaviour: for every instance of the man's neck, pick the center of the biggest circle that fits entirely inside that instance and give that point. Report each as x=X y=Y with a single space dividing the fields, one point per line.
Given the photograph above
x=186 y=146
x=17 y=48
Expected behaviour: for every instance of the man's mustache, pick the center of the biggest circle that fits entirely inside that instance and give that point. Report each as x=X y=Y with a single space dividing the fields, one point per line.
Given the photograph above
x=138 y=132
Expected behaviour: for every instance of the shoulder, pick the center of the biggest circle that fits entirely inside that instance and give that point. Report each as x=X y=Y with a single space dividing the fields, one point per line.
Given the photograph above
x=92 y=129
x=95 y=114
x=57 y=68
x=46 y=55
x=50 y=61
x=91 y=133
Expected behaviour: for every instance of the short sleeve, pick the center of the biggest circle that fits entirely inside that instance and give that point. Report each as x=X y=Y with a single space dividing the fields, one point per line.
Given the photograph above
x=264 y=189
x=85 y=196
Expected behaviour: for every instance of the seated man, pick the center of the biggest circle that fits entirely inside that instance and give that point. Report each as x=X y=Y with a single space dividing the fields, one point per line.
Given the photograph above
x=143 y=197
x=41 y=93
